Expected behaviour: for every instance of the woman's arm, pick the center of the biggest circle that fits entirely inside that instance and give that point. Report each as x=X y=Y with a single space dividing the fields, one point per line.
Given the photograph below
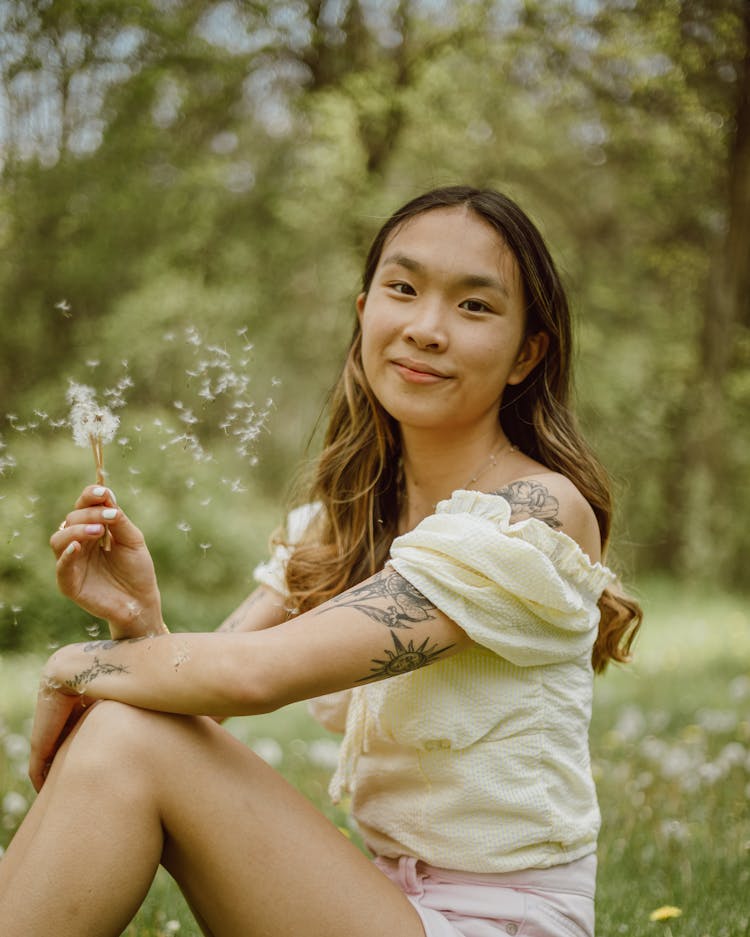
x=119 y=585
x=381 y=628
x=263 y=608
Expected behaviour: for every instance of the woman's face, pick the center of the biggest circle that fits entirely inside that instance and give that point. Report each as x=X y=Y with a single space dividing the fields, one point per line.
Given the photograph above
x=443 y=323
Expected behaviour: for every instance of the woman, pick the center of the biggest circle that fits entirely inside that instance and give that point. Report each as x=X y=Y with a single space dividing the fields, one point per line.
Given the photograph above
x=452 y=541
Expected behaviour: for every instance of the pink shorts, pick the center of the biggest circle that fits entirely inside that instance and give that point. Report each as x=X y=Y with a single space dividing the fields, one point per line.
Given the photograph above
x=554 y=902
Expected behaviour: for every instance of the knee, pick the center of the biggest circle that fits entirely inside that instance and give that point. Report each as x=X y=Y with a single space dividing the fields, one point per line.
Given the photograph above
x=113 y=738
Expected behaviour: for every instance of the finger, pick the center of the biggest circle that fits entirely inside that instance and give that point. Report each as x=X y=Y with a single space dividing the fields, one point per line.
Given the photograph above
x=96 y=494
x=53 y=713
x=85 y=531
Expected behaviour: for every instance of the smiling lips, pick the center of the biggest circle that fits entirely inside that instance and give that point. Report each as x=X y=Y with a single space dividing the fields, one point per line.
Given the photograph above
x=418 y=373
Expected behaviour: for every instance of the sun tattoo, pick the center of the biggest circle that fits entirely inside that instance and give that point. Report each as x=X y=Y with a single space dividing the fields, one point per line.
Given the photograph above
x=404 y=659
x=408 y=604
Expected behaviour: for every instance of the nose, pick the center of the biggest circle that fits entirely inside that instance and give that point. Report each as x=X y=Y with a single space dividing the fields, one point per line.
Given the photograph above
x=425 y=327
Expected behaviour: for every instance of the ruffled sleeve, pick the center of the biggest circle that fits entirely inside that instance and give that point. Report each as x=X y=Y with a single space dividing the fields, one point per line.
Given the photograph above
x=272 y=573
x=331 y=710
x=526 y=592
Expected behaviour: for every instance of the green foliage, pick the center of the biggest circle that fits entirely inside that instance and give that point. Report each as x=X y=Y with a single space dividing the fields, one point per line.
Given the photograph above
x=223 y=166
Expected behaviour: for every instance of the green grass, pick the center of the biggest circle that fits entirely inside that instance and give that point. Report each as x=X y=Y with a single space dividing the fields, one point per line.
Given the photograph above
x=671 y=749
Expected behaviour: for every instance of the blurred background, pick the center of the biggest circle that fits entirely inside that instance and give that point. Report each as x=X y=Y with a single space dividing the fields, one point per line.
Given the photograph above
x=187 y=190
x=189 y=185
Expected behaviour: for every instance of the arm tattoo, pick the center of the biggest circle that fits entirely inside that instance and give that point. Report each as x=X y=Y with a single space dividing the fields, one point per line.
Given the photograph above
x=530 y=499
x=409 y=605
x=112 y=643
x=403 y=659
x=80 y=680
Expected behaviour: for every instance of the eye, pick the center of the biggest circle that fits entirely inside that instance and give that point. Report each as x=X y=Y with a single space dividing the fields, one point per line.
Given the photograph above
x=406 y=289
x=475 y=305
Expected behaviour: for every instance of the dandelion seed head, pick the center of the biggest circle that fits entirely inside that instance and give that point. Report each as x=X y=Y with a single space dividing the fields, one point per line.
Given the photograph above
x=88 y=419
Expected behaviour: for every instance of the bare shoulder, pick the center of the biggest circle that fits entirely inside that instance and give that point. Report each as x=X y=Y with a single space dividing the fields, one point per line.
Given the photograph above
x=555 y=500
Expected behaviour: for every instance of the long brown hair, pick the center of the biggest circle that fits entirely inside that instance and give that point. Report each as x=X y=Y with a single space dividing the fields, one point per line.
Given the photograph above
x=356 y=476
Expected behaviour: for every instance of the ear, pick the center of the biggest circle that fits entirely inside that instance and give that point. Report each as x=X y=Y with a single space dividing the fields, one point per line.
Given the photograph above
x=361 y=299
x=532 y=351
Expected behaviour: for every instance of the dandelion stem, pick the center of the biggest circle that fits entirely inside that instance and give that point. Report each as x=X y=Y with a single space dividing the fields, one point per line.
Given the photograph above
x=96 y=445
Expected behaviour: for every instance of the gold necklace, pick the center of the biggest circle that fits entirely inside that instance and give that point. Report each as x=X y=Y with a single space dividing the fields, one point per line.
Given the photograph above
x=491 y=463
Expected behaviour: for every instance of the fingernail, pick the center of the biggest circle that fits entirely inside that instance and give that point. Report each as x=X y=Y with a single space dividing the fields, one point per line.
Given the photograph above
x=70 y=548
x=109 y=514
x=94 y=528
x=99 y=491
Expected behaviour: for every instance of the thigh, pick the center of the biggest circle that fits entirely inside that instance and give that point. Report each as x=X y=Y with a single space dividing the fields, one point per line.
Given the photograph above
x=250 y=853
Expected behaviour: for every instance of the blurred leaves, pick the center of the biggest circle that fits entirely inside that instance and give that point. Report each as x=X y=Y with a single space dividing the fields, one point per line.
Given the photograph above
x=223 y=165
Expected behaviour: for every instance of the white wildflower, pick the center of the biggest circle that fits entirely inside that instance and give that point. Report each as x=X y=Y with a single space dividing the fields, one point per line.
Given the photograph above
x=323 y=753
x=14 y=804
x=17 y=747
x=269 y=750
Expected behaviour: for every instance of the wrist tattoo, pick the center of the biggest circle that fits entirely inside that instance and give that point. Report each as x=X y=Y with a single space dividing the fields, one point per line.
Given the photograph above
x=80 y=680
x=110 y=643
x=403 y=658
x=530 y=499
x=408 y=604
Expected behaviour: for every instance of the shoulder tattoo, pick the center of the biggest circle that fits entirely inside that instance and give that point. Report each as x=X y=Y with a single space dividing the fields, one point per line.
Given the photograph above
x=531 y=499
x=407 y=604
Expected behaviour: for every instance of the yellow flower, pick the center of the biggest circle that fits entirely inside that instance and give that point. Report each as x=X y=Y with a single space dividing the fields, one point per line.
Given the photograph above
x=664 y=913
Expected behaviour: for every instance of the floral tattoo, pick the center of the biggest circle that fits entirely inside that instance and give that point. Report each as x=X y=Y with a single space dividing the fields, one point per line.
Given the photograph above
x=530 y=499
x=408 y=604
x=81 y=680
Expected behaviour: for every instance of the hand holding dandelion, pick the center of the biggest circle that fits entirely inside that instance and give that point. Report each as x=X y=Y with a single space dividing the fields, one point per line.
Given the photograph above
x=93 y=425
x=118 y=585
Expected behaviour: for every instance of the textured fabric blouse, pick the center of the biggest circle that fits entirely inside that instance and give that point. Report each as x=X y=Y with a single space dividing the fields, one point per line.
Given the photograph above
x=479 y=762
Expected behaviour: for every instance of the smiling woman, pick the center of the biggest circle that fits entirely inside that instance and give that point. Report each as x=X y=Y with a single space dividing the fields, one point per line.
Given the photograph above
x=439 y=316
x=437 y=595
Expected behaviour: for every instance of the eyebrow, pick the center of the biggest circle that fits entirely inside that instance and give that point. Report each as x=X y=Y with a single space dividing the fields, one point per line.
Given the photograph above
x=468 y=279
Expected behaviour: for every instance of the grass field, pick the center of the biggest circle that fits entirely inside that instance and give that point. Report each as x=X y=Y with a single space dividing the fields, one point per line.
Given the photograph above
x=671 y=748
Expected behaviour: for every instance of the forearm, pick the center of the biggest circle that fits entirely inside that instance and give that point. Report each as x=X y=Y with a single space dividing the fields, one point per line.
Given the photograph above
x=179 y=673
x=263 y=608
x=363 y=635
x=138 y=621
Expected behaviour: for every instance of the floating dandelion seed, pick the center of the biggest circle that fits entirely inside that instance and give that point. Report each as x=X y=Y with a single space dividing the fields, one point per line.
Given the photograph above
x=63 y=306
x=184 y=527
x=205 y=547
x=93 y=425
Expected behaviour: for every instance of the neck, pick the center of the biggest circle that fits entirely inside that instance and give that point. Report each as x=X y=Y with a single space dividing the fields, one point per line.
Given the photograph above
x=435 y=467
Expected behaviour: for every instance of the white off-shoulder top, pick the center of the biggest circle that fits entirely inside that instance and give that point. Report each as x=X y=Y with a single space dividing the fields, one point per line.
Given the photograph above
x=479 y=762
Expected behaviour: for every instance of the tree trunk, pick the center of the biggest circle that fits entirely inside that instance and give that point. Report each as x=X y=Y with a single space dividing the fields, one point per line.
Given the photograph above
x=709 y=510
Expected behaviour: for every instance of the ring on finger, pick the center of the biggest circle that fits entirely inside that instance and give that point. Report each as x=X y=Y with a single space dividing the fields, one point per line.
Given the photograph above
x=63 y=525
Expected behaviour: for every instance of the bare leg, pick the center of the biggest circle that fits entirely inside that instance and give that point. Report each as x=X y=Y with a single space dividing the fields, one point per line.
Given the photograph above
x=252 y=855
